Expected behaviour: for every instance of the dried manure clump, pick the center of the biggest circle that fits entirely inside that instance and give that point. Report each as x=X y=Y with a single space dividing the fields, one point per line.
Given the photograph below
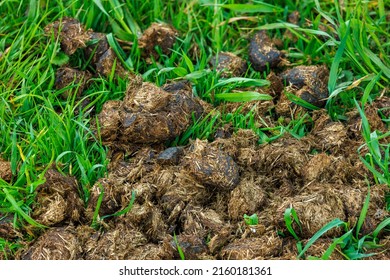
x=309 y=83
x=256 y=248
x=5 y=170
x=58 y=200
x=157 y=35
x=147 y=115
x=229 y=64
x=262 y=52
x=66 y=76
x=7 y=229
x=71 y=33
x=55 y=244
x=211 y=166
x=115 y=244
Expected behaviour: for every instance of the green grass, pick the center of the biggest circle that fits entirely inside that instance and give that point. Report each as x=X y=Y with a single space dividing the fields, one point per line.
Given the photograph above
x=40 y=129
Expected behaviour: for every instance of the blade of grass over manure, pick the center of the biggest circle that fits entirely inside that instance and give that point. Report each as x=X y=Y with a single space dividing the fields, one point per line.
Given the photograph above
x=19 y=211
x=334 y=245
x=179 y=249
x=383 y=225
x=299 y=101
x=242 y=96
x=333 y=224
x=95 y=219
x=363 y=213
x=290 y=216
x=125 y=210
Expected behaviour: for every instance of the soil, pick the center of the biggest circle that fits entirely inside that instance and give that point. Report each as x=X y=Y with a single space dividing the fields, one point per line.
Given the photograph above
x=195 y=196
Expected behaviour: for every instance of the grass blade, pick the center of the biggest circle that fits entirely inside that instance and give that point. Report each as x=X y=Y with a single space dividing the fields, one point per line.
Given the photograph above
x=333 y=224
x=333 y=74
x=242 y=96
x=288 y=213
x=363 y=213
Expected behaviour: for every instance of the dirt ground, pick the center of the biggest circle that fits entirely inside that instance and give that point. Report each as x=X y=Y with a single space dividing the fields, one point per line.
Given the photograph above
x=195 y=196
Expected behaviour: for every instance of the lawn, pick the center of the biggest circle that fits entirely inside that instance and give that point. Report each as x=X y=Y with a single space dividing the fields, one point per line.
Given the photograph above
x=194 y=129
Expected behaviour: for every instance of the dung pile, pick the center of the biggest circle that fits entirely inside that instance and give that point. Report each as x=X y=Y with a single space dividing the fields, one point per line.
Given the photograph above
x=156 y=199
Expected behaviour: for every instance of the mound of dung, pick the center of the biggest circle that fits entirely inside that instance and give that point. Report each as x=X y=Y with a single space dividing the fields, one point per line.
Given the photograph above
x=72 y=34
x=66 y=76
x=211 y=166
x=57 y=200
x=147 y=115
x=309 y=83
x=5 y=170
x=262 y=52
x=229 y=64
x=157 y=35
x=315 y=207
x=115 y=244
x=247 y=198
x=256 y=248
x=55 y=244
x=7 y=228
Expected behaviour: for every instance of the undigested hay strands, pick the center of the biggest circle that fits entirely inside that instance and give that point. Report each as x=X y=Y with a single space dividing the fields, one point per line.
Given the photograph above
x=71 y=32
x=211 y=166
x=55 y=244
x=58 y=200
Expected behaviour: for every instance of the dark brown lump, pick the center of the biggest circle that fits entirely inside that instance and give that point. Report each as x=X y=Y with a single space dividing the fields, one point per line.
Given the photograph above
x=148 y=114
x=72 y=34
x=262 y=52
x=229 y=64
x=66 y=76
x=309 y=83
x=158 y=34
x=211 y=166
x=7 y=228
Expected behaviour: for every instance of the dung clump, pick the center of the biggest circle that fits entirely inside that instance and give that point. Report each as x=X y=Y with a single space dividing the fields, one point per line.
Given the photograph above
x=229 y=64
x=118 y=243
x=193 y=247
x=262 y=52
x=72 y=34
x=57 y=200
x=7 y=228
x=55 y=244
x=106 y=63
x=170 y=156
x=66 y=76
x=316 y=207
x=157 y=35
x=109 y=121
x=148 y=115
x=211 y=166
x=255 y=248
x=97 y=46
x=247 y=198
x=5 y=170
x=310 y=83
